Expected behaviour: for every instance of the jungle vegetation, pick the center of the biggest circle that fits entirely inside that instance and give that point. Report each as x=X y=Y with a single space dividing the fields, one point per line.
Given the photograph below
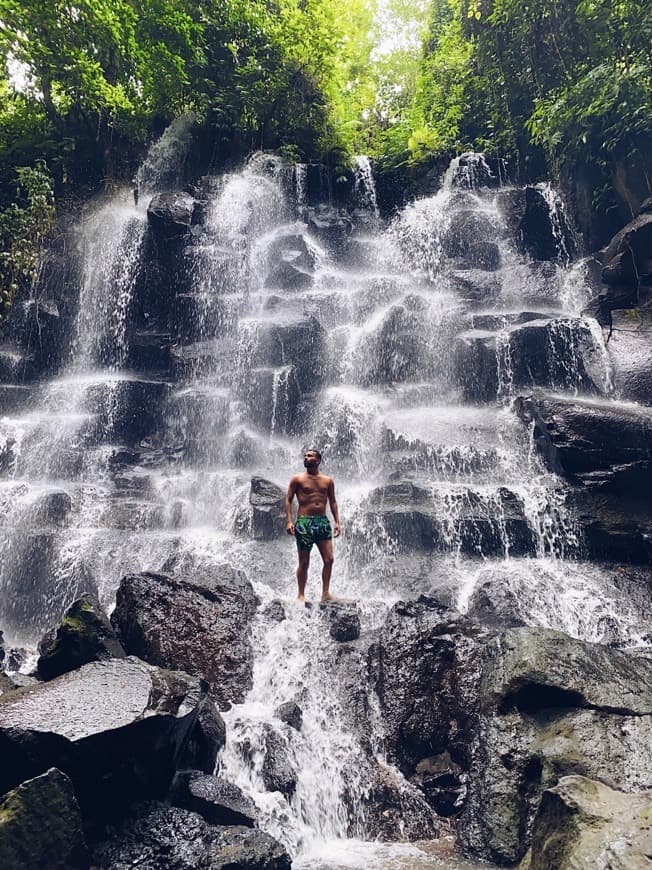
x=86 y=84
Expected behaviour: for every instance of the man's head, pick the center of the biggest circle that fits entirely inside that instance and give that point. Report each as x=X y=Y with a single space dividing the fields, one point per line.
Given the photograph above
x=311 y=459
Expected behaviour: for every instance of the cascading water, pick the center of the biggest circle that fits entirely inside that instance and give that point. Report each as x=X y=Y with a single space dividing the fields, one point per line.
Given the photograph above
x=397 y=352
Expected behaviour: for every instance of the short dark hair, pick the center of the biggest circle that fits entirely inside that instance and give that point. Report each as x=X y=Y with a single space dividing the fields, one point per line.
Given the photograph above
x=315 y=451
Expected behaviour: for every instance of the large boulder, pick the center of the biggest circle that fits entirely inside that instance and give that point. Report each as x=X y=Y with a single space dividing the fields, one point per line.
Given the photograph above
x=205 y=740
x=630 y=350
x=584 y=823
x=161 y=837
x=628 y=258
x=456 y=519
x=85 y=635
x=115 y=727
x=536 y=223
x=606 y=450
x=550 y=352
x=41 y=826
x=267 y=501
x=216 y=800
x=170 y=215
x=293 y=262
x=483 y=722
x=196 y=622
x=550 y=706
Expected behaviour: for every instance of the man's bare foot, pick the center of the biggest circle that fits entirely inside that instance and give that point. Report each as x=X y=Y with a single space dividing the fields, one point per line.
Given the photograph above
x=301 y=599
x=334 y=599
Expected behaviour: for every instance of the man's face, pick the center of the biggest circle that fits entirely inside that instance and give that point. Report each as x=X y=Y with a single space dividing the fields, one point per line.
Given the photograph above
x=310 y=459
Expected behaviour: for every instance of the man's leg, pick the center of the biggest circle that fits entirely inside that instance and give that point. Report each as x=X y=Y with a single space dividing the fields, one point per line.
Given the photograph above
x=326 y=551
x=302 y=573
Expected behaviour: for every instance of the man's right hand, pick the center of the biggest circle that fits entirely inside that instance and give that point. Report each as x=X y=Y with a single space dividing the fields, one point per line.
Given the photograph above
x=290 y=528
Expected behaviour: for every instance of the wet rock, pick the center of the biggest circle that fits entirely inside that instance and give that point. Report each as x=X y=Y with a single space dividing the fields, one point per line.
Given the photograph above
x=32 y=592
x=275 y=611
x=550 y=352
x=6 y=684
x=161 y=837
x=40 y=329
x=295 y=341
x=331 y=226
x=84 y=636
x=396 y=810
x=344 y=620
x=217 y=801
x=485 y=256
x=293 y=261
x=199 y=625
x=290 y=713
x=114 y=727
x=527 y=215
x=628 y=258
x=41 y=826
x=398 y=350
x=442 y=781
x=499 y=603
x=149 y=351
x=267 y=502
x=467 y=228
x=584 y=823
x=414 y=666
x=550 y=706
x=2 y=649
x=52 y=508
x=630 y=350
x=128 y=410
x=474 y=522
x=277 y=771
x=476 y=286
x=207 y=737
x=273 y=399
x=170 y=215
x=605 y=449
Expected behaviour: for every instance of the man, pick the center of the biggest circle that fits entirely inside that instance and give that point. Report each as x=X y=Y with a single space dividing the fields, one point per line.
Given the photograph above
x=313 y=490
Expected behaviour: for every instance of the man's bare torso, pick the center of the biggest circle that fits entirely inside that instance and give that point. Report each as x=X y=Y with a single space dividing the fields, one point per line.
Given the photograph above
x=311 y=491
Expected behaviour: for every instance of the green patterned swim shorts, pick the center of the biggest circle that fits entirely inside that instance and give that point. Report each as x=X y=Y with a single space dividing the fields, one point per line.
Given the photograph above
x=309 y=530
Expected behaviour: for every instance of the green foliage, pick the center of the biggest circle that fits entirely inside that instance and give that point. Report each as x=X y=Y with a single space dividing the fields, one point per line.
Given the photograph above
x=23 y=225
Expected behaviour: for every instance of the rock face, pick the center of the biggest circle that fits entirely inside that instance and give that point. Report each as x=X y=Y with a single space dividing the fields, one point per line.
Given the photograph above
x=344 y=621
x=267 y=502
x=170 y=215
x=41 y=826
x=114 y=727
x=169 y=838
x=85 y=635
x=205 y=740
x=528 y=216
x=606 y=451
x=484 y=722
x=199 y=625
x=217 y=801
x=628 y=258
x=415 y=520
x=583 y=823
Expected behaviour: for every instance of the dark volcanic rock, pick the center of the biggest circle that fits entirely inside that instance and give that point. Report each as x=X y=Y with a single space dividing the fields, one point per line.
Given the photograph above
x=85 y=635
x=483 y=723
x=396 y=810
x=170 y=215
x=170 y=838
x=549 y=352
x=607 y=450
x=291 y=714
x=550 y=706
x=267 y=502
x=344 y=620
x=114 y=727
x=277 y=771
x=293 y=263
x=628 y=258
x=528 y=218
x=216 y=800
x=200 y=626
x=473 y=521
x=205 y=740
x=41 y=826
x=630 y=349
x=583 y=823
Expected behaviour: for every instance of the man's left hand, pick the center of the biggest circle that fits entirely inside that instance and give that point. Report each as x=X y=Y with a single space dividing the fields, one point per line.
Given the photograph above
x=336 y=530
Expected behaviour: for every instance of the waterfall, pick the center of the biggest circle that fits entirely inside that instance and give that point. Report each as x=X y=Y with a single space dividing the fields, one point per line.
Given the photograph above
x=401 y=364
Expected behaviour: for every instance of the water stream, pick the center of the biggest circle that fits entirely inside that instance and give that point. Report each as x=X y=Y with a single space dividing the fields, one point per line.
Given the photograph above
x=365 y=347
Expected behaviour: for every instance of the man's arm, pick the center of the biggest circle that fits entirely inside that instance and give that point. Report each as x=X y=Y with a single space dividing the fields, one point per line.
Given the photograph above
x=292 y=491
x=334 y=509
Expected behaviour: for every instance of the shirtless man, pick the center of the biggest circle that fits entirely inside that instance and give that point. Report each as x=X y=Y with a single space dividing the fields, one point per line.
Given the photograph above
x=312 y=490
